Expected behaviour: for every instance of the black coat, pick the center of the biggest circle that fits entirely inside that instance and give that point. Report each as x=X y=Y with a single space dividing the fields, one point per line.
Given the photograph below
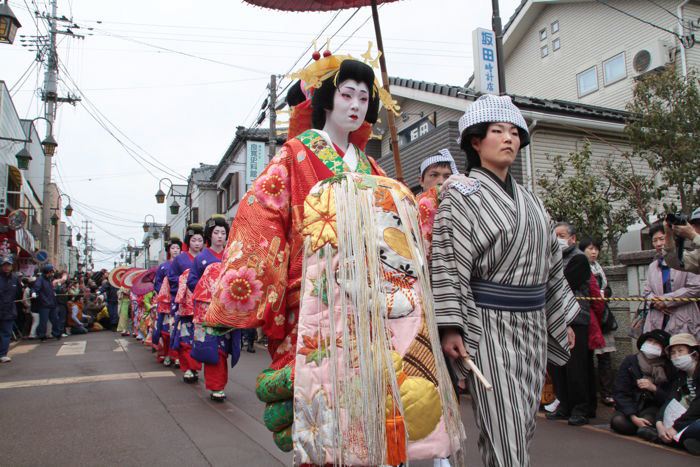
x=10 y=290
x=679 y=388
x=629 y=399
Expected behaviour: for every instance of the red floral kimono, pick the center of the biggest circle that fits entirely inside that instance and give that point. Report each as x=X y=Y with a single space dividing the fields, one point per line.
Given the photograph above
x=262 y=267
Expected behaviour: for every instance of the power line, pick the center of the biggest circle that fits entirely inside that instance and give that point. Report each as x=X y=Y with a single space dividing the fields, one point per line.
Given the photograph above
x=665 y=9
x=179 y=52
x=138 y=158
x=649 y=23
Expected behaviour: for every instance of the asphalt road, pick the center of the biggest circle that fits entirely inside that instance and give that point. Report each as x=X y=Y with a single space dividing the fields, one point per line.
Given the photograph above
x=102 y=400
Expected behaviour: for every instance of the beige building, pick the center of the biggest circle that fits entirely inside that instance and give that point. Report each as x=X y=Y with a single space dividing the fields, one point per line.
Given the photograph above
x=587 y=52
x=430 y=112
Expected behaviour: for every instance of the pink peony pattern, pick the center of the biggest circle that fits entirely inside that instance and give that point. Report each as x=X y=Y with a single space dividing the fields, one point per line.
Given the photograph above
x=272 y=187
x=241 y=289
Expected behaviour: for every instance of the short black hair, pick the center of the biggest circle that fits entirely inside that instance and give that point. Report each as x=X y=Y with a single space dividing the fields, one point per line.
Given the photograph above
x=322 y=99
x=479 y=131
x=588 y=241
x=656 y=228
x=437 y=165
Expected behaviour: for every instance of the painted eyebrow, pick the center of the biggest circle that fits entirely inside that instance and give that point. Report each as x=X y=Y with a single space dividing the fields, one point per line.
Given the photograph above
x=353 y=89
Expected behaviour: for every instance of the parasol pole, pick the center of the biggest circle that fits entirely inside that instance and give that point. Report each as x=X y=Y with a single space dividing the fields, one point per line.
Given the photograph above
x=391 y=121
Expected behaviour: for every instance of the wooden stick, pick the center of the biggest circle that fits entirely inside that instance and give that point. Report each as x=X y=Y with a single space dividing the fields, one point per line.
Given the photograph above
x=479 y=375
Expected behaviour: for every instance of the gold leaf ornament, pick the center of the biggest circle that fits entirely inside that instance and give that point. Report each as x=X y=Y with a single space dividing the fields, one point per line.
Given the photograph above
x=319 y=219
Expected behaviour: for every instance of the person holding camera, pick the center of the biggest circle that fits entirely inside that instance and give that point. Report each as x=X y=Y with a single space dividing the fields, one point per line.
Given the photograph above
x=673 y=316
x=690 y=233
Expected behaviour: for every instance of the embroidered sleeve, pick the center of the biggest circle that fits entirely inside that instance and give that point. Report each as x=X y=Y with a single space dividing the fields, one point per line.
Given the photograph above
x=427 y=208
x=250 y=290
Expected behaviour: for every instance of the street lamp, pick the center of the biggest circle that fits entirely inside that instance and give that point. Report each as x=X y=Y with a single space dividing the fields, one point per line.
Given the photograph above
x=8 y=24
x=49 y=144
x=68 y=209
x=145 y=222
x=160 y=194
x=54 y=219
x=174 y=208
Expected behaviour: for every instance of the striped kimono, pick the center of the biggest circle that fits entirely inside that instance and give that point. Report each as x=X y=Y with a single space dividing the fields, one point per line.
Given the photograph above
x=498 y=278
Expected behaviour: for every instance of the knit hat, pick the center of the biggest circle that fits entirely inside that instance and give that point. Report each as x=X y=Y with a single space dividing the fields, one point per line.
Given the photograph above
x=7 y=260
x=658 y=335
x=494 y=109
x=443 y=155
x=695 y=216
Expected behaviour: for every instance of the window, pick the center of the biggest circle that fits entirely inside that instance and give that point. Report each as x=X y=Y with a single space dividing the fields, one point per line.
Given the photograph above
x=195 y=215
x=543 y=34
x=555 y=27
x=614 y=69
x=544 y=51
x=587 y=81
x=556 y=44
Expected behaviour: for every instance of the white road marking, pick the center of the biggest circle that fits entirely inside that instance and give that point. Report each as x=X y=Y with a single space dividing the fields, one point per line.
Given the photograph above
x=20 y=349
x=85 y=379
x=122 y=345
x=72 y=348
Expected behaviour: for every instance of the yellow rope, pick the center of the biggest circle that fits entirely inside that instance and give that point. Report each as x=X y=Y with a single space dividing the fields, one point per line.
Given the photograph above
x=639 y=299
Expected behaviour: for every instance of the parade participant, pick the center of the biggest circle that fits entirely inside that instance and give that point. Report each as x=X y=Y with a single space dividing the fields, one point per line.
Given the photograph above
x=124 y=310
x=161 y=286
x=434 y=170
x=181 y=310
x=323 y=245
x=211 y=349
x=498 y=283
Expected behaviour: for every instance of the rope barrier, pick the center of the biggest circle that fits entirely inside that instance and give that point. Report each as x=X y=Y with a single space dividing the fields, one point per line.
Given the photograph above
x=638 y=299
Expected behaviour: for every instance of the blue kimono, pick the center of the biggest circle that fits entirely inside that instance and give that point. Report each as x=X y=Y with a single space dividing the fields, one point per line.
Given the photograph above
x=229 y=343
x=161 y=323
x=183 y=326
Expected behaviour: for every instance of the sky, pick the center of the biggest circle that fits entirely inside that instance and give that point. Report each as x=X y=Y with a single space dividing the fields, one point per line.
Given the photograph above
x=164 y=84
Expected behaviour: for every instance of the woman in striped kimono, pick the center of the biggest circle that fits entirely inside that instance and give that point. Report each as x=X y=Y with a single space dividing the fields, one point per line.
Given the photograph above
x=500 y=294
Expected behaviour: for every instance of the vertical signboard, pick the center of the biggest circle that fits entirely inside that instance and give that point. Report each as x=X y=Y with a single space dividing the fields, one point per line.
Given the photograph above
x=485 y=61
x=3 y=188
x=255 y=161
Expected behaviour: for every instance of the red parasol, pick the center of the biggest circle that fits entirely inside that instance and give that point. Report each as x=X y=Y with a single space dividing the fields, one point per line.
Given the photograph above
x=116 y=276
x=143 y=283
x=130 y=276
x=327 y=5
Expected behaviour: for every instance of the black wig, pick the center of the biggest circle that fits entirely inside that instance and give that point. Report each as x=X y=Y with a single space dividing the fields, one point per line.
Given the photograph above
x=217 y=220
x=322 y=99
x=295 y=95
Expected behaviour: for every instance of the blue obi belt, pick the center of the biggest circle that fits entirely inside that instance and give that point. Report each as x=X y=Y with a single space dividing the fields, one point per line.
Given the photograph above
x=492 y=295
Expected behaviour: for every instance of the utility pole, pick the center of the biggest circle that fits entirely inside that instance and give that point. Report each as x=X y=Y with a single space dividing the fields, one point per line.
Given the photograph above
x=498 y=31
x=50 y=97
x=86 y=227
x=273 y=115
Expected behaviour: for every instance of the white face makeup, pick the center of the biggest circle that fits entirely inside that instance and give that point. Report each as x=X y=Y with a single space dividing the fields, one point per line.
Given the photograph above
x=218 y=238
x=350 y=104
x=196 y=244
x=174 y=250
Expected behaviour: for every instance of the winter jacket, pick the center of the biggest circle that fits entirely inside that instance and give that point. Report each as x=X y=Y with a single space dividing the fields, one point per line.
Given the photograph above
x=10 y=290
x=45 y=295
x=629 y=399
x=595 y=333
x=577 y=272
x=680 y=388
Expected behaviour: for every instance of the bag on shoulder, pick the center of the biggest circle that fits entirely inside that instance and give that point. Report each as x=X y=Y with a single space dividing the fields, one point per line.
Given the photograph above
x=609 y=322
x=637 y=325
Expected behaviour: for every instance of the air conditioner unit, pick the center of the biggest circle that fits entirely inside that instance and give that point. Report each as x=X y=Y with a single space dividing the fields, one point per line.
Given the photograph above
x=650 y=56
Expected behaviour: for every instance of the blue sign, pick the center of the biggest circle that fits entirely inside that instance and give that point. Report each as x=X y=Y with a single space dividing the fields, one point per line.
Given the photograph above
x=41 y=256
